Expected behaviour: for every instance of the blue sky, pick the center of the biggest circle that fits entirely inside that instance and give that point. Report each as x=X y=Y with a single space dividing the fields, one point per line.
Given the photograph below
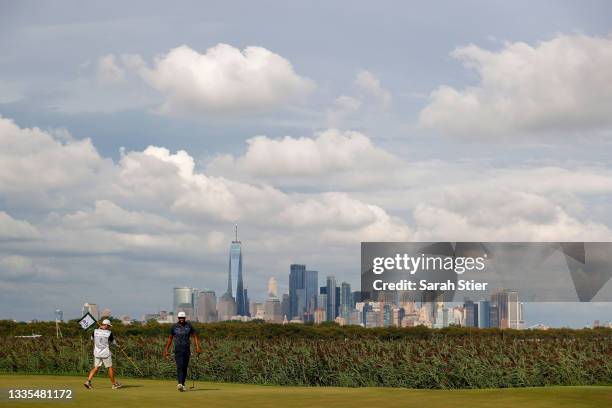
x=314 y=126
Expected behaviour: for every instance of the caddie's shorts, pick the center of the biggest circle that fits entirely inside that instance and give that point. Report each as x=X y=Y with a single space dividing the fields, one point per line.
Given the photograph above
x=107 y=361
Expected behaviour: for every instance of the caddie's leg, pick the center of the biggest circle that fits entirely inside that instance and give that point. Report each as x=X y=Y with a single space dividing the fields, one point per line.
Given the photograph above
x=111 y=375
x=92 y=373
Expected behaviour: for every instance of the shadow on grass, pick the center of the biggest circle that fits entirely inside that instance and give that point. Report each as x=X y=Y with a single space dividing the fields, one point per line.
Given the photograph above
x=204 y=389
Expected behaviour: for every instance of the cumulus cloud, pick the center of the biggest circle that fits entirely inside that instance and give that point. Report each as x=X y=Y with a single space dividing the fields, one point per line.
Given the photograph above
x=344 y=106
x=15 y=230
x=369 y=83
x=222 y=79
x=470 y=214
x=327 y=153
x=368 y=95
x=39 y=166
x=150 y=196
x=108 y=71
x=561 y=84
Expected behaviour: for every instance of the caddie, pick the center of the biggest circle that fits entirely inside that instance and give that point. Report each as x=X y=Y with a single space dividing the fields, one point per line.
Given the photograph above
x=102 y=339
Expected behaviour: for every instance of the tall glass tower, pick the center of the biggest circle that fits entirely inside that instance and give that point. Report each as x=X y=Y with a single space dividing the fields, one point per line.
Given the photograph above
x=235 y=268
x=331 y=299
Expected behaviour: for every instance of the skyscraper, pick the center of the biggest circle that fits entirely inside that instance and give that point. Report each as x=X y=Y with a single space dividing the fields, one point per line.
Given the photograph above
x=331 y=310
x=297 y=291
x=285 y=305
x=484 y=314
x=206 y=306
x=272 y=310
x=311 y=283
x=508 y=309
x=92 y=308
x=182 y=299
x=235 y=268
x=346 y=299
x=471 y=313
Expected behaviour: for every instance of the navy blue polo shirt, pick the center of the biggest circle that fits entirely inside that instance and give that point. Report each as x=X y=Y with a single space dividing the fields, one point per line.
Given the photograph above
x=181 y=334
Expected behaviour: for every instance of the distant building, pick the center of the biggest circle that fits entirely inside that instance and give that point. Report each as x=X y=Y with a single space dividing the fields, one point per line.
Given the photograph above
x=508 y=308
x=322 y=302
x=235 y=268
x=470 y=310
x=331 y=308
x=297 y=291
x=207 y=306
x=259 y=311
x=346 y=300
x=356 y=298
x=484 y=314
x=226 y=307
x=272 y=310
x=285 y=305
x=319 y=314
x=92 y=309
x=182 y=298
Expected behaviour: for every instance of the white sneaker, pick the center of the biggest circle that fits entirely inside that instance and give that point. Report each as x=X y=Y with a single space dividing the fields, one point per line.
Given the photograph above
x=180 y=387
x=117 y=385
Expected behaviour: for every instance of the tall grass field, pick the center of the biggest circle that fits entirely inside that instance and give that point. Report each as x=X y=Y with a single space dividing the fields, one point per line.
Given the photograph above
x=426 y=359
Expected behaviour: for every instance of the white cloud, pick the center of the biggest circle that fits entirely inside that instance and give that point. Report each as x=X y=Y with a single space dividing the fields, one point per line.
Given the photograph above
x=109 y=71
x=15 y=230
x=325 y=154
x=368 y=96
x=35 y=164
x=344 y=106
x=471 y=214
x=370 y=84
x=561 y=84
x=222 y=79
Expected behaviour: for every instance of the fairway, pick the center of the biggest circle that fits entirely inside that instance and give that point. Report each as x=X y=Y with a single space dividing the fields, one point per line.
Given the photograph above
x=145 y=393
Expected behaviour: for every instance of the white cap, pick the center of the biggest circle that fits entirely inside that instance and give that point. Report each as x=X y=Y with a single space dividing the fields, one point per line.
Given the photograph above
x=181 y=314
x=106 y=321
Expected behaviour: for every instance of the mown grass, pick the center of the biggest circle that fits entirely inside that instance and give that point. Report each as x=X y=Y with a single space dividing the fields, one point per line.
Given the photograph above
x=148 y=393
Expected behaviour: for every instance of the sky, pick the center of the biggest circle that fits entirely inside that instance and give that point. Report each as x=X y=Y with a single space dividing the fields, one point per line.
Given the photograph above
x=133 y=137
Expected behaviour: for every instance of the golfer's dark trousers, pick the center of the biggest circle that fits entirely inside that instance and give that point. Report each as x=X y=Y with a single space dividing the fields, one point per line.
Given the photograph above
x=182 y=361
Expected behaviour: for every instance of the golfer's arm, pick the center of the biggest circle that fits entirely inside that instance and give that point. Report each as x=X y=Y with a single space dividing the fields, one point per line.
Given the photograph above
x=168 y=344
x=196 y=338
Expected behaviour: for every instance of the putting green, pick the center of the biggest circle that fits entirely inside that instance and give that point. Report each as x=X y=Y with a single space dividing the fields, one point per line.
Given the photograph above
x=146 y=393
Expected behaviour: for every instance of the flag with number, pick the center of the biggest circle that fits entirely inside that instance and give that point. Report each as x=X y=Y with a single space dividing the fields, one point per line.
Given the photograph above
x=87 y=321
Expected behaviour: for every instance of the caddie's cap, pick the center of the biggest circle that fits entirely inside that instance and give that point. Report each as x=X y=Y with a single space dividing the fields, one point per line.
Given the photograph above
x=106 y=321
x=181 y=314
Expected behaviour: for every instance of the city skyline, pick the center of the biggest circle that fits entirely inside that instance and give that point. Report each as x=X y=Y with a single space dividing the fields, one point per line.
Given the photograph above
x=307 y=301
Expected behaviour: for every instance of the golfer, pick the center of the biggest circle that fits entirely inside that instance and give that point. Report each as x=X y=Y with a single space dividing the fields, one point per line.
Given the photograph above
x=102 y=339
x=181 y=333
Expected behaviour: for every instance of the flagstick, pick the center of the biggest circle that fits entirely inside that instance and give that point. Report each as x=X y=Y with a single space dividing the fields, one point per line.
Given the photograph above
x=130 y=360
